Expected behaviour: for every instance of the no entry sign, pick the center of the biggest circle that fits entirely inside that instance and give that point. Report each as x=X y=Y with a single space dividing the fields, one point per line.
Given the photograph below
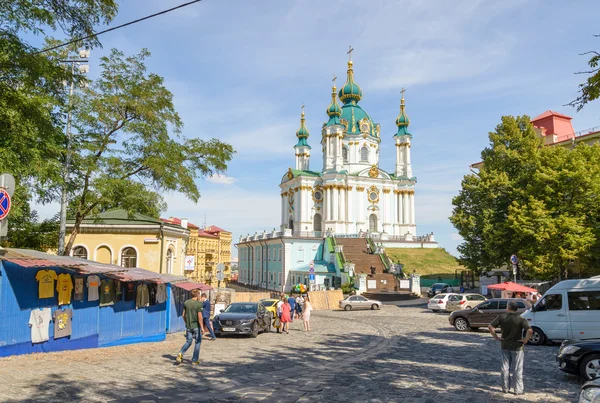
x=4 y=204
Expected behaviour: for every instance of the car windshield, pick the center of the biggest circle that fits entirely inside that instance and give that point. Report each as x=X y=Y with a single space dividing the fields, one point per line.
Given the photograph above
x=438 y=286
x=241 y=308
x=268 y=304
x=441 y=296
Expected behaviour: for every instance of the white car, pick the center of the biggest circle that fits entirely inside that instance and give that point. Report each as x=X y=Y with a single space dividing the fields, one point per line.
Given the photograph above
x=438 y=303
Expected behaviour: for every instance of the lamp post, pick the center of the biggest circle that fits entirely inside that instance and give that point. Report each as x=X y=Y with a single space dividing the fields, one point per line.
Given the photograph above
x=84 y=55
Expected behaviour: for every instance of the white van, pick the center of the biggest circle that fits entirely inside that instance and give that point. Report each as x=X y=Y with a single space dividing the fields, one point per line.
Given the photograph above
x=569 y=310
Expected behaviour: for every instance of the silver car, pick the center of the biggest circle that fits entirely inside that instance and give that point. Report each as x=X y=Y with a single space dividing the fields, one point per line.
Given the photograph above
x=459 y=302
x=359 y=302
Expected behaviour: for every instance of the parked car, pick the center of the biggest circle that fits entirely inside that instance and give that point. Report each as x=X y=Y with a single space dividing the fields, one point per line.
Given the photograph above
x=580 y=357
x=359 y=302
x=248 y=318
x=590 y=392
x=568 y=310
x=438 y=303
x=271 y=306
x=483 y=314
x=464 y=301
x=439 y=288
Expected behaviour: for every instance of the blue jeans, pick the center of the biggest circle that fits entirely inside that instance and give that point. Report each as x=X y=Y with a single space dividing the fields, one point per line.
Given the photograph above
x=190 y=336
x=209 y=327
x=512 y=359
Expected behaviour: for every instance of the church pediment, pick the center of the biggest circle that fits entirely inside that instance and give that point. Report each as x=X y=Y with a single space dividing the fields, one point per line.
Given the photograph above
x=374 y=172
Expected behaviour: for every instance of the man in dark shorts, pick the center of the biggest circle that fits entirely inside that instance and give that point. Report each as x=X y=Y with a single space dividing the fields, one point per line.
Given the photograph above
x=512 y=341
x=192 y=316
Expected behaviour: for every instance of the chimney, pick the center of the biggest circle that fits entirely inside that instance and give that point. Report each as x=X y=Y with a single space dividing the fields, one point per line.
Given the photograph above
x=184 y=222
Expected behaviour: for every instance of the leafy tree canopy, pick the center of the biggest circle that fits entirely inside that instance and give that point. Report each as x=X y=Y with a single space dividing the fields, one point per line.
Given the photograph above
x=127 y=143
x=538 y=202
x=590 y=89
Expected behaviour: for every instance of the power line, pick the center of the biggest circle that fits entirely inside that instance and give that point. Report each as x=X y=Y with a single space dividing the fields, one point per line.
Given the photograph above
x=117 y=27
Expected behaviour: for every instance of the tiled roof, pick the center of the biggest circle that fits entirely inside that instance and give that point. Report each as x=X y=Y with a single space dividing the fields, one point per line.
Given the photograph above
x=550 y=113
x=214 y=228
x=177 y=221
x=207 y=234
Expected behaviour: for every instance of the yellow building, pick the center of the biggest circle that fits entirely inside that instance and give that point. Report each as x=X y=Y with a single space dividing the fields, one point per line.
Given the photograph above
x=138 y=241
x=209 y=247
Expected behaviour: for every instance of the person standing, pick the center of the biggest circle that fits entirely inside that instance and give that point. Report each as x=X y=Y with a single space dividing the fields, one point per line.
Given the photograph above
x=192 y=316
x=285 y=316
x=306 y=310
x=512 y=341
x=206 y=316
x=292 y=301
x=299 y=305
x=278 y=312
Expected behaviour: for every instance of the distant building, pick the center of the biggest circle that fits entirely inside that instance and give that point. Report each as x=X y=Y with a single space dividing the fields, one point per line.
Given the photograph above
x=210 y=247
x=138 y=241
x=556 y=130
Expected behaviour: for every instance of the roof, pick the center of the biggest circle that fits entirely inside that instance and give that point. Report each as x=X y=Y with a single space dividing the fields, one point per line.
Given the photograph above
x=301 y=172
x=207 y=234
x=549 y=113
x=510 y=286
x=177 y=221
x=320 y=267
x=122 y=217
x=34 y=259
x=214 y=228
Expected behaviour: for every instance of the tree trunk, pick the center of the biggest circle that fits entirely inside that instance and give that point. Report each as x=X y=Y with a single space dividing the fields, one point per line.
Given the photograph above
x=72 y=237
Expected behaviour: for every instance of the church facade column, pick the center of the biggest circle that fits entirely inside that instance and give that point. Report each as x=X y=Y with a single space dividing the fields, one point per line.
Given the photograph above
x=412 y=208
x=405 y=207
x=283 y=210
x=350 y=226
x=335 y=200
x=360 y=215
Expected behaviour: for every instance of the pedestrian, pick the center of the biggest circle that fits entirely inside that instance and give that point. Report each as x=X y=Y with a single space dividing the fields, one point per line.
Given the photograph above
x=278 y=312
x=299 y=305
x=285 y=316
x=462 y=288
x=206 y=316
x=306 y=310
x=512 y=341
x=292 y=301
x=368 y=249
x=192 y=316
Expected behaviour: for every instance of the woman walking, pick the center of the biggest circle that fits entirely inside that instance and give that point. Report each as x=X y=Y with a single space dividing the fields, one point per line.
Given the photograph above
x=286 y=311
x=306 y=310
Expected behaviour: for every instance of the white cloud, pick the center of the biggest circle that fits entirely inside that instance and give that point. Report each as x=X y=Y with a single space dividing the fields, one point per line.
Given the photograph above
x=221 y=179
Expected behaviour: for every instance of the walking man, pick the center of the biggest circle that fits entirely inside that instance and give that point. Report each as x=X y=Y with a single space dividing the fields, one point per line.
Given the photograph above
x=192 y=316
x=206 y=316
x=292 y=302
x=512 y=341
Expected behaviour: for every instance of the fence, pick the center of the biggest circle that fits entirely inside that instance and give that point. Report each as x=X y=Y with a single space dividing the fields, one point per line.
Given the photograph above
x=325 y=300
x=427 y=282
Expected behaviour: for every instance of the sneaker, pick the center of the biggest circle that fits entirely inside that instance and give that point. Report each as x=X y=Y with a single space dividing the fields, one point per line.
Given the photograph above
x=213 y=339
x=195 y=362
x=179 y=358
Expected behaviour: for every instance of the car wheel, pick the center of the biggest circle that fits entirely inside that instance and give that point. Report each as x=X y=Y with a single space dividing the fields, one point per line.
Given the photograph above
x=347 y=307
x=590 y=367
x=254 y=330
x=374 y=307
x=538 y=337
x=435 y=310
x=461 y=324
x=269 y=325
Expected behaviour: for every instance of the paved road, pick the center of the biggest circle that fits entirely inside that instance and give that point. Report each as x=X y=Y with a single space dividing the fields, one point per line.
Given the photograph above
x=399 y=354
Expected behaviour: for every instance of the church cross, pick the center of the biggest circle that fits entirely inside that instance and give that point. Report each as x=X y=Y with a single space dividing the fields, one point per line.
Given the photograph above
x=402 y=92
x=302 y=109
x=334 y=78
x=349 y=52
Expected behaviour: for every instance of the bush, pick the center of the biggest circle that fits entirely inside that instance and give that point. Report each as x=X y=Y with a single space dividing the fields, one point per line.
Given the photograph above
x=347 y=288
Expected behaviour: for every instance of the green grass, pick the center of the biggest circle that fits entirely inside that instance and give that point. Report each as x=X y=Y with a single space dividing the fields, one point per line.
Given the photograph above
x=426 y=262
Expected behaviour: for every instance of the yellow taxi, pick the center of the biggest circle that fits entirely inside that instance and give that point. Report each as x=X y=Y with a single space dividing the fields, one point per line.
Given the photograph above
x=271 y=306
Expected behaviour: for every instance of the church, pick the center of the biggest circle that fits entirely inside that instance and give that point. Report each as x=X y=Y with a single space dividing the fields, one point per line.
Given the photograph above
x=352 y=194
x=330 y=217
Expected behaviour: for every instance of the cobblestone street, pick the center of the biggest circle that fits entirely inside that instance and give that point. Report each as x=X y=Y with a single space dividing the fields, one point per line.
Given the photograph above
x=396 y=354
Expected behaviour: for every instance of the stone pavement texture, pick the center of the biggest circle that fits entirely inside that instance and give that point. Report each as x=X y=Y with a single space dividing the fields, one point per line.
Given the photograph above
x=398 y=354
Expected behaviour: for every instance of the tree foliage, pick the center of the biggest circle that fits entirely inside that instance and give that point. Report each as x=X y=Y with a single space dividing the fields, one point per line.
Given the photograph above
x=540 y=203
x=590 y=89
x=123 y=148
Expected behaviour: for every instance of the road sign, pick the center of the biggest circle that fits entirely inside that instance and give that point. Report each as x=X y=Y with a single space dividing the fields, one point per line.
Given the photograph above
x=220 y=276
x=311 y=270
x=311 y=277
x=7 y=182
x=4 y=203
x=514 y=259
x=220 y=267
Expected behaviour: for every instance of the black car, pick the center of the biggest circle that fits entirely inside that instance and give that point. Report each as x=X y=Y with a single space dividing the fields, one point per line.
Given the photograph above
x=248 y=318
x=580 y=357
x=590 y=391
x=439 y=288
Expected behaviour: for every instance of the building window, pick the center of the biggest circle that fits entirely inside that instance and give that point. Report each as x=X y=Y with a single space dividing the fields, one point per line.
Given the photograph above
x=301 y=254
x=317 y=223
x=129 y=258
x=345 y=154
x=364 y=154
x=80 y=252
x=170 y=261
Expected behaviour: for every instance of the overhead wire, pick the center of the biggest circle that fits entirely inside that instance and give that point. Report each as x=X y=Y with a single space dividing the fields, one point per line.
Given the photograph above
x=117 y=27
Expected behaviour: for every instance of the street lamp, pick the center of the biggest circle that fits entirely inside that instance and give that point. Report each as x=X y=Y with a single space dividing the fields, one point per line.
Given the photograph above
x=84 y=55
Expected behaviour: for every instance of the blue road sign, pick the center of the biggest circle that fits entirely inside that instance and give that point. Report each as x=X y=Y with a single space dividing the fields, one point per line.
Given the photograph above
x=4 y=204
x=311 y=270
x=311 y=276
x=514 y=259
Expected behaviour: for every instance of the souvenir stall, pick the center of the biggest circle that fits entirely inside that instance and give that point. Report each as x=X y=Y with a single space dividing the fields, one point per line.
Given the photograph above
x=54 y=303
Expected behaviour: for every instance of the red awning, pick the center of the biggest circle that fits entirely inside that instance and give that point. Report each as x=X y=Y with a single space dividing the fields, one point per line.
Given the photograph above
x=192 y=285
x=510 y=286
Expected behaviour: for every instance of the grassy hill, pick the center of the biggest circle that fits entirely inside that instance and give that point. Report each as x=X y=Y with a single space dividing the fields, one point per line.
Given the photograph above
x=425 y=261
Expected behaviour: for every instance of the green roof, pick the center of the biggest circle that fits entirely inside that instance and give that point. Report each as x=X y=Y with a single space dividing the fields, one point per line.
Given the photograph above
x=122 y=217
x=300 y=172
x=319 y=267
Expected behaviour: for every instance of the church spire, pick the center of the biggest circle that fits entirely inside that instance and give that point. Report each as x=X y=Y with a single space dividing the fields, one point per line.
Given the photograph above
x=402 y=121
x=350 y=92
x=302 y=132
x=334 y=110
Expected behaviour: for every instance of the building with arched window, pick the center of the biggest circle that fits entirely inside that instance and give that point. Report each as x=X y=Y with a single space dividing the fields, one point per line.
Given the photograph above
x=115 y=237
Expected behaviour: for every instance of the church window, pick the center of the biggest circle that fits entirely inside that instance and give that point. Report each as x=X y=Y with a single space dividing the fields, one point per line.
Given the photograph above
x=280 y=254
x=317 y=223
x=373 y=223
x=345 y=154
x=318 y=195
x=364 y=154
x=301 y=254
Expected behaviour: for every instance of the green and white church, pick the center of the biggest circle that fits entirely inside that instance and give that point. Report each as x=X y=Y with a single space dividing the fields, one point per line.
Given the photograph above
x=352 y=194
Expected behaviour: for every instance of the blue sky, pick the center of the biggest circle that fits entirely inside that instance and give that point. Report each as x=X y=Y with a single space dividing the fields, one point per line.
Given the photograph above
x=240 y=71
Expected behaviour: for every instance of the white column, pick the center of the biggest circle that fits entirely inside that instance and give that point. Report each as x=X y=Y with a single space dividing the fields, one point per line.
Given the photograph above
x=282 y=212
x=350 y=214
x=342 y=199
x=412 y=209
x=404 y=208
x=331 y=203
x=336 y=200
x=361 y=205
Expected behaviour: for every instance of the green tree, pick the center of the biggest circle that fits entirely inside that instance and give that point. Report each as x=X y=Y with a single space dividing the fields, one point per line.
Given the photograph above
x=538 y=202
x=590 y=89
x=32 y=139
x=123 y=150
